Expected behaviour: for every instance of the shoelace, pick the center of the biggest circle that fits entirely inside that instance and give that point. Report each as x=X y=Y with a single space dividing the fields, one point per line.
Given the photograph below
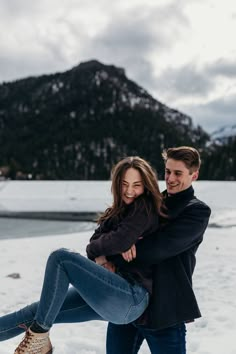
x=24 y=342
x=29 y=339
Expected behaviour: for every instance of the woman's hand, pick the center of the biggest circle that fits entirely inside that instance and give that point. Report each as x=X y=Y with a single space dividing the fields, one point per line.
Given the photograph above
x=130 y=254
x=110 y=266
x=102 y=261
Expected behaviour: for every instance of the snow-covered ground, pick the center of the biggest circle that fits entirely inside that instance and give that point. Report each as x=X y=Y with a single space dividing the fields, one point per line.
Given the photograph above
x=56 y=196
x=214 y=282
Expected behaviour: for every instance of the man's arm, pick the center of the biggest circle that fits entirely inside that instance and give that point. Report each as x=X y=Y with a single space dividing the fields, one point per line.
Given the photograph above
x=176 y=237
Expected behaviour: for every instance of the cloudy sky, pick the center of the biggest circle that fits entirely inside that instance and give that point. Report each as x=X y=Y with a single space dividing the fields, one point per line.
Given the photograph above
x=182 y=51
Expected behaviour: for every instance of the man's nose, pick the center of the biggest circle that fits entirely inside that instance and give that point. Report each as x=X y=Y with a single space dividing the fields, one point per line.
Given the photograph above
x=170 y=177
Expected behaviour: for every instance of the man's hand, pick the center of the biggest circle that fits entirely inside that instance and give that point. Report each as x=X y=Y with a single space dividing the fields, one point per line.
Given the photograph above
x=102 y=261
x=130 y=254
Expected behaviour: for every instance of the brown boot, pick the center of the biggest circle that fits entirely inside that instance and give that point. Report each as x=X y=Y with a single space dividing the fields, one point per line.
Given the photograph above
x=35 y=343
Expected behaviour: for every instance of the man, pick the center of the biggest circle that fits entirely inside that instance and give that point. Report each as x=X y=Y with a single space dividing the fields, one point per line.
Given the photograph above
x=171 y=251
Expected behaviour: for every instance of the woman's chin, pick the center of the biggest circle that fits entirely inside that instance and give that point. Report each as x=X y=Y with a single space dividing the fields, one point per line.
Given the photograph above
x=128 y=200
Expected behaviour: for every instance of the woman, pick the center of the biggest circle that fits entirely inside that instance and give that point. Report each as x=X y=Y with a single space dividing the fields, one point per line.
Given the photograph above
x=104 y=286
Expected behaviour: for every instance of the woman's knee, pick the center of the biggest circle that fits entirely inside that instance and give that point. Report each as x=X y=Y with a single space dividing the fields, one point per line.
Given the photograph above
x=59 y=253
x=62 y=254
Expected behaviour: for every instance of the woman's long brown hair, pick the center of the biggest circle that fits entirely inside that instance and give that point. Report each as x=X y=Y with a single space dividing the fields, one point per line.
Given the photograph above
x=149 y=179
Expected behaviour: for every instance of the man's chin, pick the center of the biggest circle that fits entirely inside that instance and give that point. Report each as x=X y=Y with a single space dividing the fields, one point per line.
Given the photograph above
x=172 y=190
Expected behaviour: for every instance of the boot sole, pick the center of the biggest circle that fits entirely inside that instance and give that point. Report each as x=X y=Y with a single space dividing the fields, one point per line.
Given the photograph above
x=50 y=351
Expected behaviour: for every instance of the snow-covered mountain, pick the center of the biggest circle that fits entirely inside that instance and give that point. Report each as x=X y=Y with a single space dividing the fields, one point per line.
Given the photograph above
x=76 y=124
x=224 y=132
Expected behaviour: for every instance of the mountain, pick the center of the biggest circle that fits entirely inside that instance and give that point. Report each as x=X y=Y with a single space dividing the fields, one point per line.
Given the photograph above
x=224 y=133
x=219 y=159
x=77 y=124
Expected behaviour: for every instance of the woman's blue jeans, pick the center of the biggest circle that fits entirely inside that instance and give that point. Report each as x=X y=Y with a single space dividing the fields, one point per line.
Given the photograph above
x=96 y=294
x=127 y=339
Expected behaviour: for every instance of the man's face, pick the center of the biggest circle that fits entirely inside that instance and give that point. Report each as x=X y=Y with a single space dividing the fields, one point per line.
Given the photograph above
x=178 y=176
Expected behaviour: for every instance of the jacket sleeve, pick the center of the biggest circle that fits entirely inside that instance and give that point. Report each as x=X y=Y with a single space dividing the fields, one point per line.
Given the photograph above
x=176 y=237
x=128 y=231
x=97 y=233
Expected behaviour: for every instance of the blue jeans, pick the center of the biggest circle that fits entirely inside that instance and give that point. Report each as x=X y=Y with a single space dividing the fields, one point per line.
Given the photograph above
x=96 y=294
x=127 y=339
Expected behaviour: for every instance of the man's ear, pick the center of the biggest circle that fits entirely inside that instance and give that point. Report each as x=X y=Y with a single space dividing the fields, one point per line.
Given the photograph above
x=195 y=175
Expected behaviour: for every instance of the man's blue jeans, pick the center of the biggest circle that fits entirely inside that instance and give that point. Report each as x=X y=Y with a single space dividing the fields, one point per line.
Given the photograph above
x=96 y=294
x=127 y=339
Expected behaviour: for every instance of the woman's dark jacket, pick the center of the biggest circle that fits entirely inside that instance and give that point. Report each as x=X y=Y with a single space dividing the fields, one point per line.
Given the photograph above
x=171 y=251
x=117 y=234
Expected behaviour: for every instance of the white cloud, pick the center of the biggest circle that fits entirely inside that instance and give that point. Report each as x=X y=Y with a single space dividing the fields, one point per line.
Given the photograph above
x=181 y=51
x=213 y=114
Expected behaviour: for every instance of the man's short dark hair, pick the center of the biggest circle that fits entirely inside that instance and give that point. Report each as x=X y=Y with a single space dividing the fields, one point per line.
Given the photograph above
x=189 y=155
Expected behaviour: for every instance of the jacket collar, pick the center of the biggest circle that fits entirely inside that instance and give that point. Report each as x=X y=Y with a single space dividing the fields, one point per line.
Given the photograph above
x=175 y=200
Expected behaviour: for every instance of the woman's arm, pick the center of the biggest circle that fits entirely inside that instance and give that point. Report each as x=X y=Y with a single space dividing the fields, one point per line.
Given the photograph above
x=104 y=227
x=135 y=224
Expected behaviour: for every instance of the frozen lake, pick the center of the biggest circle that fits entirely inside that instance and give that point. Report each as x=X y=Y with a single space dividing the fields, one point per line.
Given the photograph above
x=18 y=228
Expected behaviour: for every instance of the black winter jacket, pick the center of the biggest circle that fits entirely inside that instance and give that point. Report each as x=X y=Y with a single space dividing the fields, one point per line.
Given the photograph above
x=171 y=251
x=117 y=234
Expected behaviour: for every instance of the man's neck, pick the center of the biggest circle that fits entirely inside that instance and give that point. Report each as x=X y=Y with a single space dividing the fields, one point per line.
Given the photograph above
x=181 y=192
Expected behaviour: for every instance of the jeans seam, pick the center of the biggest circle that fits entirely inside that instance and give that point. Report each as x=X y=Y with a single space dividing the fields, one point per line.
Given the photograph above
x=132 y=306
x=134 y=349
x=182 y=339
x=54 y=295
x=104 y=280
x=15 y=326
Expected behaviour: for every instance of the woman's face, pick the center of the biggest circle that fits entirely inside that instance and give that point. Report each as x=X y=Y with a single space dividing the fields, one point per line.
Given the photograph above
x=132 y=185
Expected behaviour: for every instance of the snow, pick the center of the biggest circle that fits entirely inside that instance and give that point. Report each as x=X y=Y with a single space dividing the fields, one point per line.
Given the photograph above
x=89 y=196
x=214 y=279
x=224 y=132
